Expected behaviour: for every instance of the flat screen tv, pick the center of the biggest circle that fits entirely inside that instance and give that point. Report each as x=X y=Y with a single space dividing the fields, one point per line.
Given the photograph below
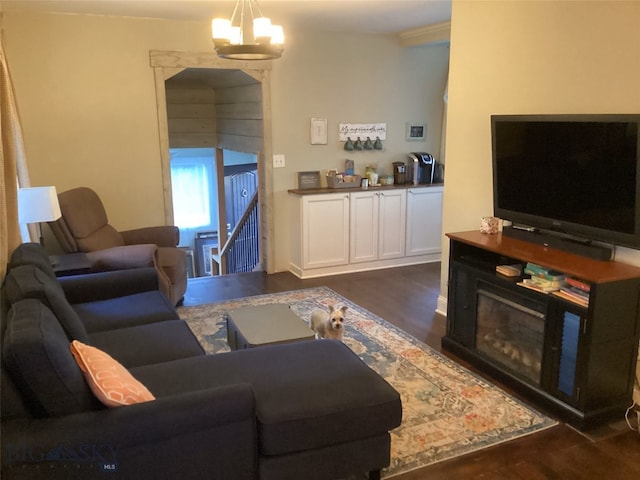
x=577 y=175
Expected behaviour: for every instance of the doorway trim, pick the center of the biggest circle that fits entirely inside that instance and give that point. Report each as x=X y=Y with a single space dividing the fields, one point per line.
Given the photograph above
x=167 y=64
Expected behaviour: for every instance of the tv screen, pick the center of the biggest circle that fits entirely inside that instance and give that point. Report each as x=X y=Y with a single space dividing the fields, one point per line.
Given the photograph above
x=574 y=174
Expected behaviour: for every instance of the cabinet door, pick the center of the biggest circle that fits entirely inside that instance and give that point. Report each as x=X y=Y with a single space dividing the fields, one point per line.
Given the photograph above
x=424 y=221
x=325 y=230
x=392 y=223
x=364 y=226
x=569 y=324
x=461 y=305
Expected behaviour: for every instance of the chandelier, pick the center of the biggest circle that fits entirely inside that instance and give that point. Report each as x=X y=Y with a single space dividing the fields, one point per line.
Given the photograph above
x=231 y=37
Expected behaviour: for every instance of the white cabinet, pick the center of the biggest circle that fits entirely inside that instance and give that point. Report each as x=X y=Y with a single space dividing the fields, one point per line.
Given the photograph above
x=377 y=225
x=357 y=230
x=364 y=227
x=393 y=208
x=424 y=221
x=325 y=230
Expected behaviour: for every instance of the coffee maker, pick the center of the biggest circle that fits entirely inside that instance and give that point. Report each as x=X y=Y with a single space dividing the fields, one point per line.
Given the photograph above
x=421 y=168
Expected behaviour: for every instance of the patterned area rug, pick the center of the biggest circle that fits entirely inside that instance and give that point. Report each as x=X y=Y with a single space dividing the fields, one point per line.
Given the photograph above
x=447 y=410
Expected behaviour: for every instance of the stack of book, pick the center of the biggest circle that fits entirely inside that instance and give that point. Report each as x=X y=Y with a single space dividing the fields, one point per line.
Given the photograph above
x=575 y=291
x=542 y=279
x=509 y=270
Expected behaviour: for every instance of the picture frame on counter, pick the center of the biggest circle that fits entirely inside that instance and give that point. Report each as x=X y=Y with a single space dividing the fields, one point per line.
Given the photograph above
x=308 y=180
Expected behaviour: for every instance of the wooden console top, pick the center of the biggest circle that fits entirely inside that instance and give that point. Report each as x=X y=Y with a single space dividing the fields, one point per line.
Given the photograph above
x=596 y=271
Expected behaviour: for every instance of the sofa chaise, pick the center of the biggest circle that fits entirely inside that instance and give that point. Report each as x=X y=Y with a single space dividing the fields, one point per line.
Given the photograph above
x=308 y=410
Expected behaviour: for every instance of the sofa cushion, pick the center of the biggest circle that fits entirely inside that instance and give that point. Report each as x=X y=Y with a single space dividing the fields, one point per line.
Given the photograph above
x=28 y=281
x=32 y=254
x=308 y=394
x=148 y=344
x=126 y=311
x=110 y=382
x=36 y=354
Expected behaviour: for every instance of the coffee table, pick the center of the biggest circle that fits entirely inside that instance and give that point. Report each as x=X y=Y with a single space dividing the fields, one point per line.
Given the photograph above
x=270 y=324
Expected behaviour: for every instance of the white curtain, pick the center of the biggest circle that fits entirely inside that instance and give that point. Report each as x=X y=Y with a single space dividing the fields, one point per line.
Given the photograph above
x=13 y=163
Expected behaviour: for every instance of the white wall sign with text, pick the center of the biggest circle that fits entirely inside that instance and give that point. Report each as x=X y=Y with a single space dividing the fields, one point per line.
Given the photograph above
x=362 y=130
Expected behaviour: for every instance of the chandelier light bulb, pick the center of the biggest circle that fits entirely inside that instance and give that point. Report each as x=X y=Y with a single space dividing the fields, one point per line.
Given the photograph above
x=235 y=36
x=277 y=35
x=262 y=30
x=229 y=36
x=221 y=31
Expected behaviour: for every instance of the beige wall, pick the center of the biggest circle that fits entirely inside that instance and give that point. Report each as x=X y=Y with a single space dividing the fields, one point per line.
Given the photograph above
x=87 y=102
x=352 y=79
x=86 y=98
x=530 y=57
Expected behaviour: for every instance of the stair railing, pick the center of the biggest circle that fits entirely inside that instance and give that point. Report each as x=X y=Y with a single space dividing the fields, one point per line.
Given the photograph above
x=241 y=251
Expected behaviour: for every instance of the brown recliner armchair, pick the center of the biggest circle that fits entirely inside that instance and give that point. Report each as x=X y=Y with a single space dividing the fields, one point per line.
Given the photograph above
x=84 y=227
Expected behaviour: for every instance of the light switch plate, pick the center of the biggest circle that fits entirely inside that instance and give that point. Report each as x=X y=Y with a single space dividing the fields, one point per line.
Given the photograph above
x=278 y=161
x=318 y=131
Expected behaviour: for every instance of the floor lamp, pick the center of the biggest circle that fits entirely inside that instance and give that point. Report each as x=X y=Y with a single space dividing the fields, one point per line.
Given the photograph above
x=37 y=205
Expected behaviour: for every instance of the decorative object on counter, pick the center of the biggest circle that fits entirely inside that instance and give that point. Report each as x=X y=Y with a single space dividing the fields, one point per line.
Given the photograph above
x=339 y=180
x=371 y=173
x=358 y=144
x=416 y=132
x=229 y=38
x=489 y=225
x=377 y=145
x=399 y=173
x=349 y=167
x=308 y=180
x=386 y=180
x=438 y=175
x=364 y=183
x=348 y=146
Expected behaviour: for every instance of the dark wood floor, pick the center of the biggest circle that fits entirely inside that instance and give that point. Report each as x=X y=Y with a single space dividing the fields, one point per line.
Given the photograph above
x=407 y=297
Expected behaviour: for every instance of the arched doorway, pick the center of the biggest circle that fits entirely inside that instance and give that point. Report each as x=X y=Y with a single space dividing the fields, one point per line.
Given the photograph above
x=167 y=65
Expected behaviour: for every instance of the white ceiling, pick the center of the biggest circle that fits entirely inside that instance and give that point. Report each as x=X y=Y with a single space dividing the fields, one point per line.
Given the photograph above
x=361 y=16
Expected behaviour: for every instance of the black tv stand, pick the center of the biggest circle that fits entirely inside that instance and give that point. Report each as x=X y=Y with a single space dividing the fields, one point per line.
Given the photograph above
x=575 y=360
x=566 y=243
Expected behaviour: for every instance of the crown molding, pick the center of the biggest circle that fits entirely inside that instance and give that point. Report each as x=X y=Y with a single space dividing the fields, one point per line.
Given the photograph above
x=429 y=35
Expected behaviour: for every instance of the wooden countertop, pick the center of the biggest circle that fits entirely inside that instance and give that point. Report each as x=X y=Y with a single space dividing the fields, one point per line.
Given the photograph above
x=316 y=191
x=569 y=263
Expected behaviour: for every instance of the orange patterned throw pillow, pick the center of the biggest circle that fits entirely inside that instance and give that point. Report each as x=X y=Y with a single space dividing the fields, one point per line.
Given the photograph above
x=109 y=380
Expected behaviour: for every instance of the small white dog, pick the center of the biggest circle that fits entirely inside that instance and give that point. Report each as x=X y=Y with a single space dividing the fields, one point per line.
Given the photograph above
x=328 y=326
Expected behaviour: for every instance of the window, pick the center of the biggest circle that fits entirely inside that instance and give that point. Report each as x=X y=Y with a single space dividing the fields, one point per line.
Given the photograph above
x=191 y=181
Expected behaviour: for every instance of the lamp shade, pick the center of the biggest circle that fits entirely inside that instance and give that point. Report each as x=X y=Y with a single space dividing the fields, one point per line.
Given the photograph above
x=38 y=204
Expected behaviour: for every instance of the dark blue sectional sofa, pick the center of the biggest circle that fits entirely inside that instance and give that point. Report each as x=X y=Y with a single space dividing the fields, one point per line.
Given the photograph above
x=309 y=410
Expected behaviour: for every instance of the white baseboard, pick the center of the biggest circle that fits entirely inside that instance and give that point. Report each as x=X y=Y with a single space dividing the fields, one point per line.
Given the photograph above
x=441 y=308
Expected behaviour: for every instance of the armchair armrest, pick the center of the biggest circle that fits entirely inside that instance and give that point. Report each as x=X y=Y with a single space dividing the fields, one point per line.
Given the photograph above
x=162 y=236
x=204 y=434
x=128 y=256
x=92 y=287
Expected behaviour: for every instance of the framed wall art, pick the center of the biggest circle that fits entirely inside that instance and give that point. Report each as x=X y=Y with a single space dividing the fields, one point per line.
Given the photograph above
x=416 y=131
